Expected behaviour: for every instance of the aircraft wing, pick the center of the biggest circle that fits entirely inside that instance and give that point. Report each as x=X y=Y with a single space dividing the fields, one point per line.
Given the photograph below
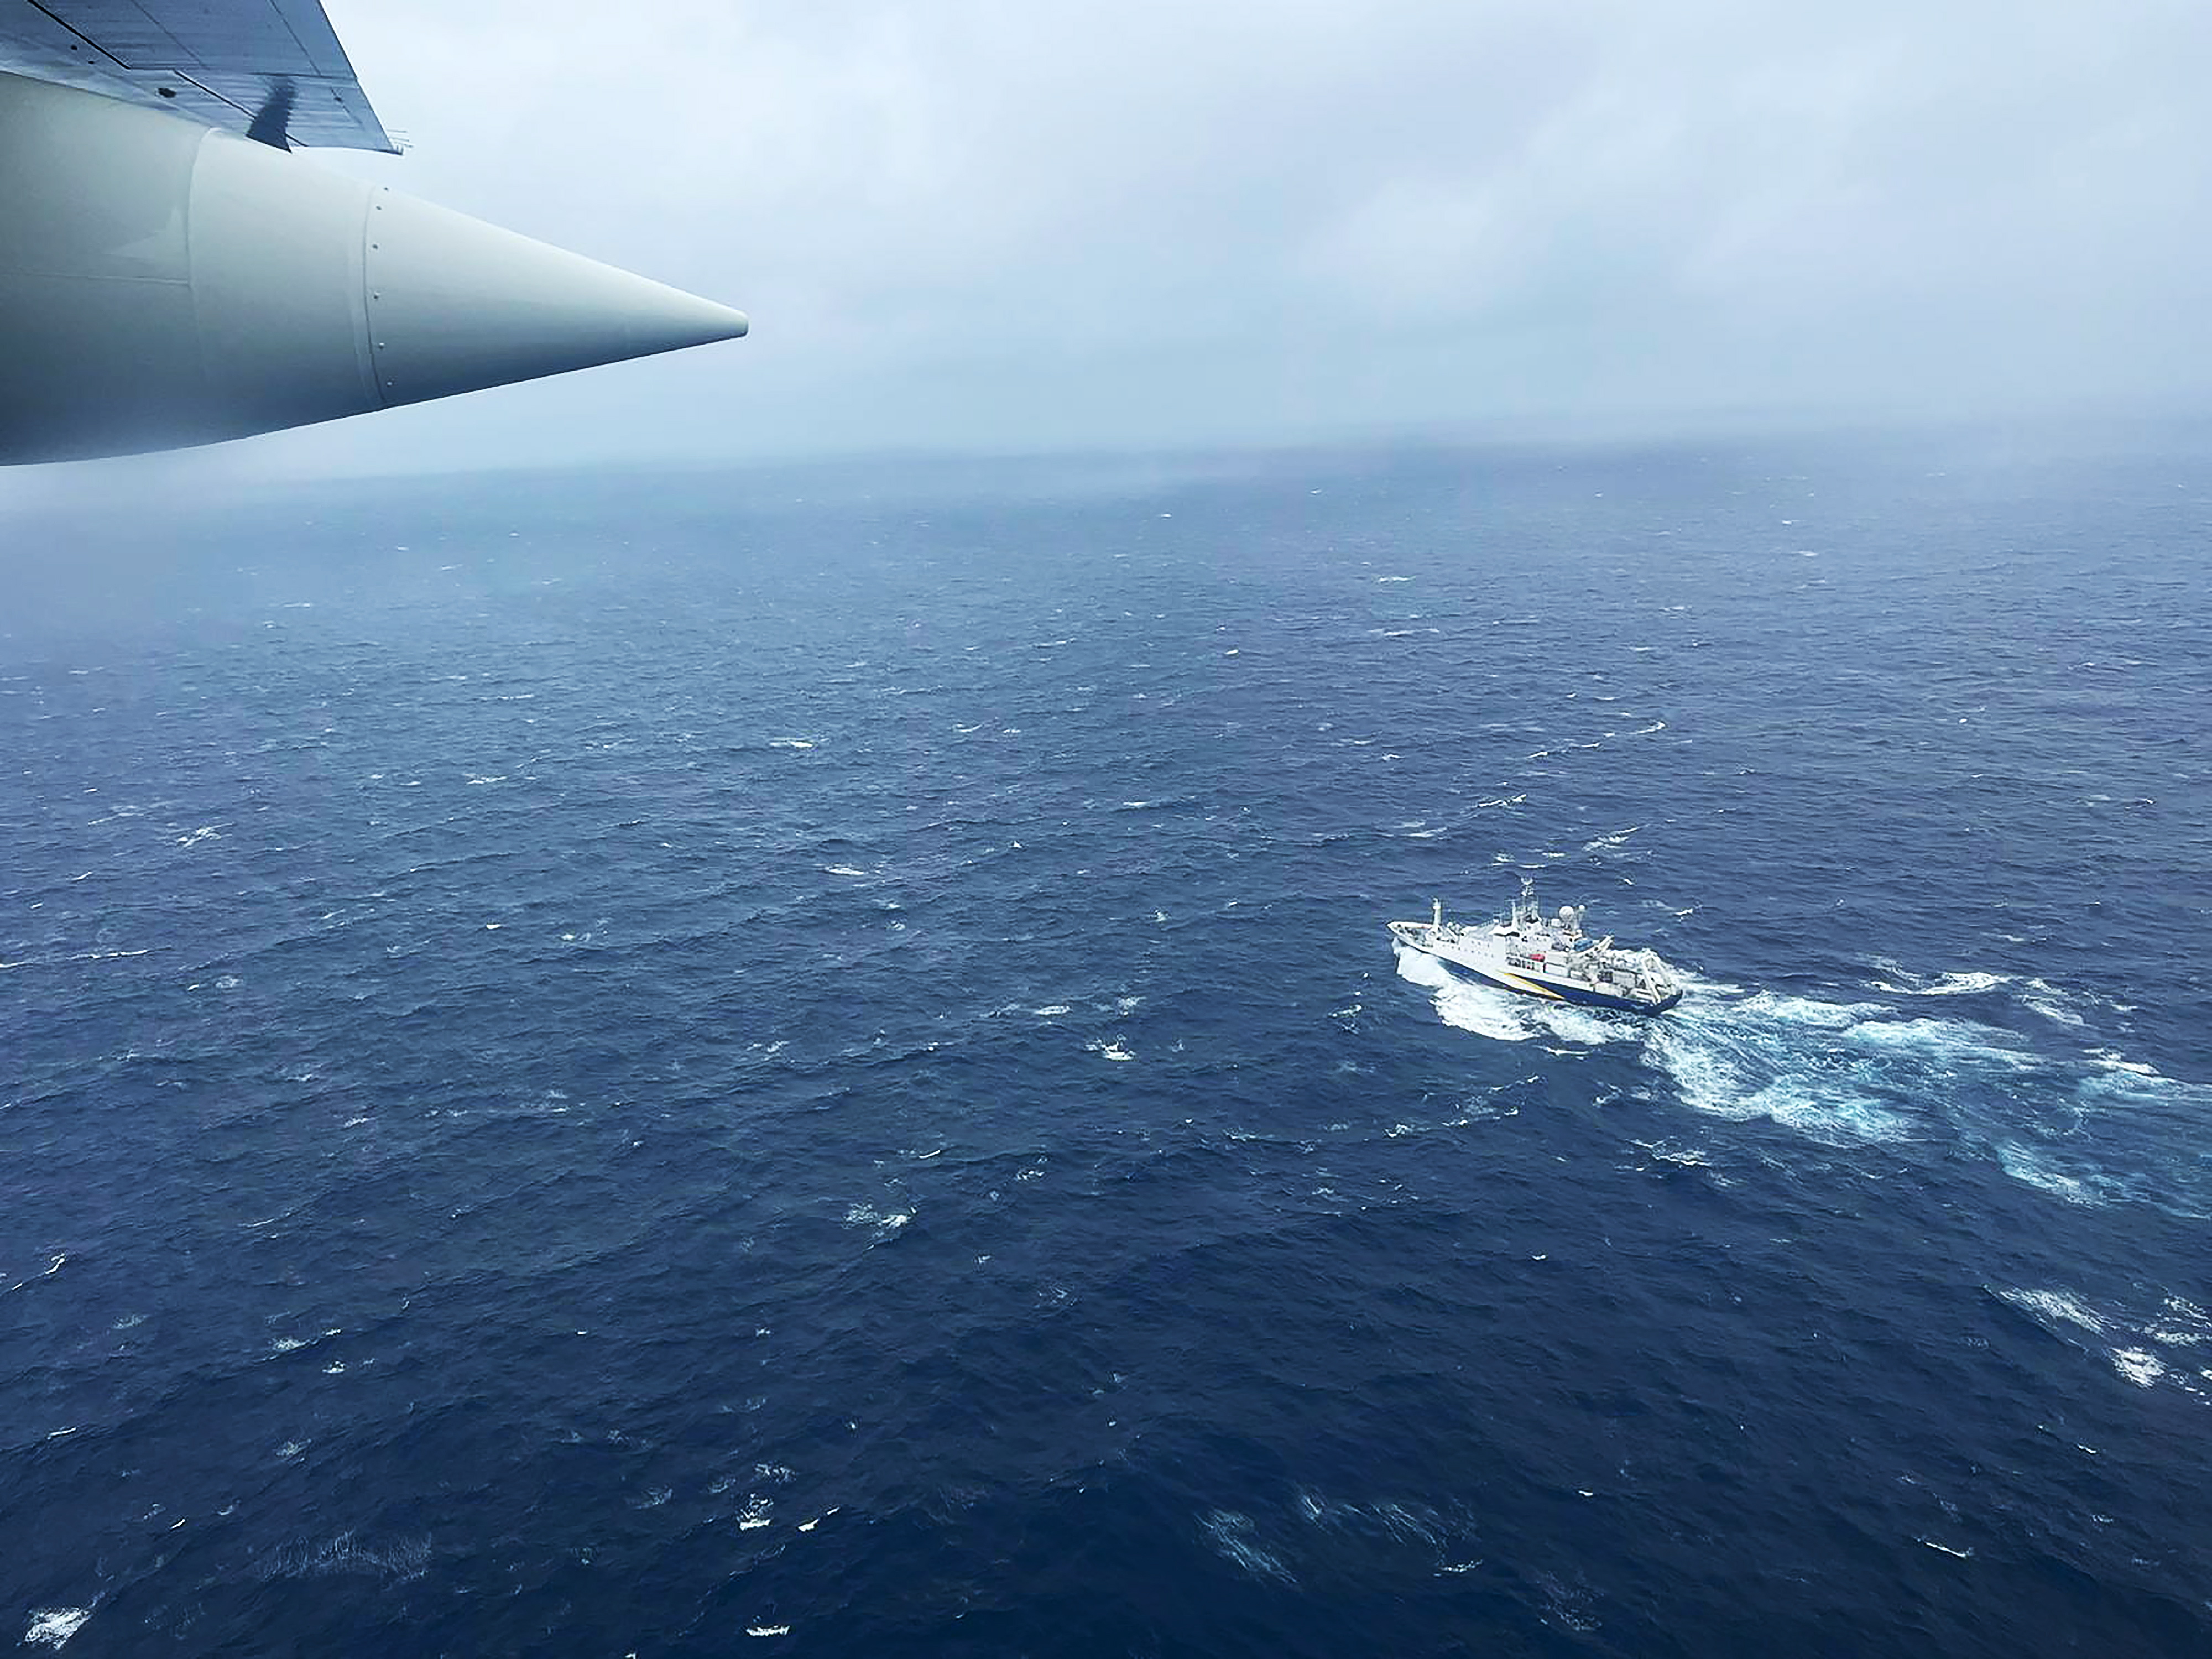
x=271 y=69
x=168 y=277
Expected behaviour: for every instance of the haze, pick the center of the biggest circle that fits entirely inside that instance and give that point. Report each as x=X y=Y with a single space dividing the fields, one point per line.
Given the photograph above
x=990 y=226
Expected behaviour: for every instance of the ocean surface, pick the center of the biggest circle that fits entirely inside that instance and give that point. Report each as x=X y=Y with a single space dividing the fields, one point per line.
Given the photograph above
x=808 y=1062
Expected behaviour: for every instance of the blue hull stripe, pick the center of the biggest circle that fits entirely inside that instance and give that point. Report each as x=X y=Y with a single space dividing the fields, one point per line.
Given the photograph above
x=1581 y=996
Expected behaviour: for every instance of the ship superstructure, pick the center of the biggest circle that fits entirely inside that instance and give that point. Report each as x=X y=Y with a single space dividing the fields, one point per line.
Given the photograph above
x=1547 y=956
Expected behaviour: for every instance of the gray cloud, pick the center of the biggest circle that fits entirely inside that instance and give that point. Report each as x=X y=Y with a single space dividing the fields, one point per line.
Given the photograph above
x=998 y=225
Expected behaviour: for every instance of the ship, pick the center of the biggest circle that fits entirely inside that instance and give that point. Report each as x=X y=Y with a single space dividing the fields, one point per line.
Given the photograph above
x=1551 y=957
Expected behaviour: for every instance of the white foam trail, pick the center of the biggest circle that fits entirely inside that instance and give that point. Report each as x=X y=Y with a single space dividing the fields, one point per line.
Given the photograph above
x=2139 y=1365
x=1944 y=985
x=1948 y=1041
x=1574 y=1025
x=1232 y=1535
x=1420 y=968
x=2113 y=1059
x=1783 y=1058
x=2054 y=1308
x=2118 y=1081
x=2025 y=1165
x=1466 y=1007
x=1501 y=1016
x=2127 y=1341
x=885 y=1223
x=1618 y=838
x=51 y=1626
x=2051 y=1002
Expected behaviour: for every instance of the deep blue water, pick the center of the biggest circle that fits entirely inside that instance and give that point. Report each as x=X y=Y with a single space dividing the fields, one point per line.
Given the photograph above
x=809 y=1063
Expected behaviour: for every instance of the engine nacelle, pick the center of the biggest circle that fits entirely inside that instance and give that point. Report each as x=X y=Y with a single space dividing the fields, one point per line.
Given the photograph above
x=164 y=284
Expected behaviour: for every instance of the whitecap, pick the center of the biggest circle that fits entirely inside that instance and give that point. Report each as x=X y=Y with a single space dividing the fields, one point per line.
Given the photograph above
x=2185 y=1325
x=1666 y=1151
x=2034 y=1169
x=1947 y=1040
x=2138 y=1365
x=2050 y=1001
x=841 y=870
x=791 y=742
x=51 y=1626
x=2054 y=1308
x=884 y=1222
x=1231 y=1534
x=1945 y=985
x=1808 y=1011
x=2113 y=1059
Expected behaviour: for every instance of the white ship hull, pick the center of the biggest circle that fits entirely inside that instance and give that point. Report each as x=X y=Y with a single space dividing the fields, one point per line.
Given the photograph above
x=1551 y=960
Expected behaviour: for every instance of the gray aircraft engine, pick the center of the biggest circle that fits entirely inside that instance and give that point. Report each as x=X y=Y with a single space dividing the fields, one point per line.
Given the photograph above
x=163 y=283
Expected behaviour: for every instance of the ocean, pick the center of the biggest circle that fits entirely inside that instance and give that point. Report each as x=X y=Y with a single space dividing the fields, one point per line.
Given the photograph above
x=807 y=1060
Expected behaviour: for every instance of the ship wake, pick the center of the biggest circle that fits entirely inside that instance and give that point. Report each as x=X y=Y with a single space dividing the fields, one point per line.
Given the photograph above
x=2072 y=1124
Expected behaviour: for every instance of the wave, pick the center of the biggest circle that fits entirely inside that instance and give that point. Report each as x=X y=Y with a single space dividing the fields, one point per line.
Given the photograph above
x=51 y=1626
x=2139 y=1347
x=1943 y=985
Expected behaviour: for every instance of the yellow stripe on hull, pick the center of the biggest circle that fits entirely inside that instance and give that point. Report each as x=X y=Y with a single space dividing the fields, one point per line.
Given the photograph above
x=1527 y=985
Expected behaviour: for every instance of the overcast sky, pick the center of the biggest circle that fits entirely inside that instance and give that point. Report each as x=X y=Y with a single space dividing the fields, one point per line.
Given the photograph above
x=979 y=223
